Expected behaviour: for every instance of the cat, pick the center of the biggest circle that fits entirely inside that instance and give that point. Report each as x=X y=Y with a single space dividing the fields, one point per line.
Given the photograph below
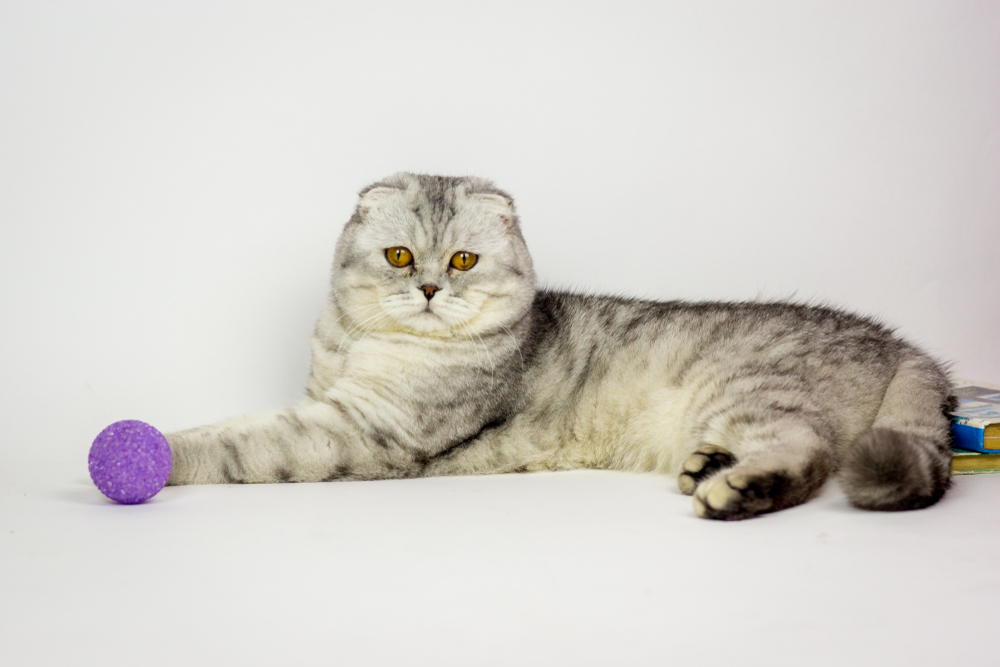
x=437 y=355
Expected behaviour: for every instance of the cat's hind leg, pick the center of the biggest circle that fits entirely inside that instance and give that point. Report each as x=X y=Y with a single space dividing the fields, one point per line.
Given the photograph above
x=904 y=461
x=781 y=463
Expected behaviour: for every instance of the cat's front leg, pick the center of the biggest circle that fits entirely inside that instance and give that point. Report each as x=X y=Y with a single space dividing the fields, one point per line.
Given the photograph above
x=309 y=443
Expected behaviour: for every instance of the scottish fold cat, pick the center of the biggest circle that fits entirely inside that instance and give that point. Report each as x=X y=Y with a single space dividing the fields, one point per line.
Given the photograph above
x=437 y=355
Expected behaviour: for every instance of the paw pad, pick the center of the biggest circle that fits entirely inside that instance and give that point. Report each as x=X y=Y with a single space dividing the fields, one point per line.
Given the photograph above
x=741 y=494
x=702 y=464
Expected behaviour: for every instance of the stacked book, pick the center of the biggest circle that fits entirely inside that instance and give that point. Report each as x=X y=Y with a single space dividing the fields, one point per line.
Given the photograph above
x=976 y=425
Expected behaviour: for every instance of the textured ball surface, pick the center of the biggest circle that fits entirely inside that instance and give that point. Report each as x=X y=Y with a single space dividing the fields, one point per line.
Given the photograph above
x=130 y=462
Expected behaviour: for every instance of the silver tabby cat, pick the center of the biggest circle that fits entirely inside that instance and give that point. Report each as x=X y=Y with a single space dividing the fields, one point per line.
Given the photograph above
x=436 y=355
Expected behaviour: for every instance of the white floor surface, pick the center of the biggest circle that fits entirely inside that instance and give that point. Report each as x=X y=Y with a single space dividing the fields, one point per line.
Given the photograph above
x=580 y=568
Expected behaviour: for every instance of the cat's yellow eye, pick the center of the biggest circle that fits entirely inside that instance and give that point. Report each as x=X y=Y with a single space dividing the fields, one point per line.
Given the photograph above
x=399 y=256
x=463 y=261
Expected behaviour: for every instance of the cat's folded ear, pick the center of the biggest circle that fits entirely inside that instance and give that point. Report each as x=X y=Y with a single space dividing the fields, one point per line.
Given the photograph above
x=499 y=204
x=372 y=197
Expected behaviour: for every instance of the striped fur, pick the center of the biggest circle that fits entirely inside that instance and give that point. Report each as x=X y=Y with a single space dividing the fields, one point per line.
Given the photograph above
x=752 y=405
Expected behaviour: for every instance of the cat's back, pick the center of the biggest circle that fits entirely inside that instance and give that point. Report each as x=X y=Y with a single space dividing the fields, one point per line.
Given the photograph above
x=612 y=371
x=568 y=324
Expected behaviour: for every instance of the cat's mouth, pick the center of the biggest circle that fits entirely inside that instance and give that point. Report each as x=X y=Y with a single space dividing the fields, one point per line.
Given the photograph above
x=435 y=321
x=424 y=317
x=441 y=315
x=427 y=322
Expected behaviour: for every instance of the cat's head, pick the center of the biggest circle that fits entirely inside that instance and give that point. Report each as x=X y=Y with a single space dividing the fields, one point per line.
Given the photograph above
x=433 y=255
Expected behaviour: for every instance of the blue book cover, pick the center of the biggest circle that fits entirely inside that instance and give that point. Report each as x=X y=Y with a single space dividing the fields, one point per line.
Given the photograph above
x=976 y=421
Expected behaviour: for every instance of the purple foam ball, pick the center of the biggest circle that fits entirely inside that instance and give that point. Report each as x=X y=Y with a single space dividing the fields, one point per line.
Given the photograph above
x=130 y=462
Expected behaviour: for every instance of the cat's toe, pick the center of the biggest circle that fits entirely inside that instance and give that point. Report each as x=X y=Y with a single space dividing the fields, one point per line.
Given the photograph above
x=739 y=494
x=702 y=464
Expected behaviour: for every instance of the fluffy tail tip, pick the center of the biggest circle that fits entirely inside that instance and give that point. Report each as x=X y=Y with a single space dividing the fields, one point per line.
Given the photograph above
x=890 y=470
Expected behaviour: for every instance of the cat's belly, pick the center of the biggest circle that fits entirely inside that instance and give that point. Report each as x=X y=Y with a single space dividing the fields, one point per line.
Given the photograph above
x=638 y=426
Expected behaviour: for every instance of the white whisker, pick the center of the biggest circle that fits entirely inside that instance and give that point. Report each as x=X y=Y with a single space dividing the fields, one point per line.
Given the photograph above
x=516 y=344
x=486 y=350
x=364 y=311
x=359 y=326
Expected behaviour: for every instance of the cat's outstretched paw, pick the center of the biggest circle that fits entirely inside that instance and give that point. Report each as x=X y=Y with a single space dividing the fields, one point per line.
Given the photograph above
x=702 y=464
x=740 y=494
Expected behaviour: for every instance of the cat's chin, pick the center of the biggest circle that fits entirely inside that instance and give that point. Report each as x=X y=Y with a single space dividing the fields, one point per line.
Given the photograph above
x=426 y=323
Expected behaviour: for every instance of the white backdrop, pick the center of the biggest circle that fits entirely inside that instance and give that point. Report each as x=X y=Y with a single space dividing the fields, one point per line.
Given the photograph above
x=173 y=177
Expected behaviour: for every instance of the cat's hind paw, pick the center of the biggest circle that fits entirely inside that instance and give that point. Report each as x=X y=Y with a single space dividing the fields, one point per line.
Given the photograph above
x=740 y=494
x=702 y=464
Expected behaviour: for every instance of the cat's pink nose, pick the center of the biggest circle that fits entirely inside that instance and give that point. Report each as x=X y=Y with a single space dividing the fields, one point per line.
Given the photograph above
x=429 y=290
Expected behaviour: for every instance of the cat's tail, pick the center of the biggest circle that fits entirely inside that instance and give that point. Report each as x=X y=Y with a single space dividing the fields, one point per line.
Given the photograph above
x=904 y=461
